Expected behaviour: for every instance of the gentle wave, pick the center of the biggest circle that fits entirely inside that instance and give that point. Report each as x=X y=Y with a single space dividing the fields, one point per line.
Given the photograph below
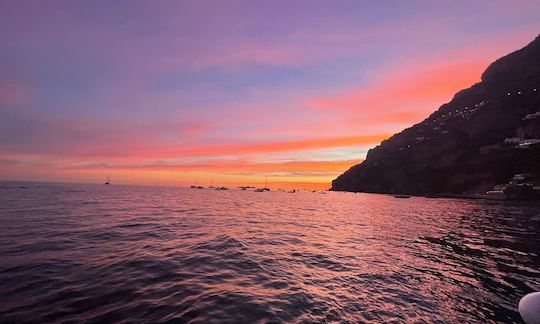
x=74 y=253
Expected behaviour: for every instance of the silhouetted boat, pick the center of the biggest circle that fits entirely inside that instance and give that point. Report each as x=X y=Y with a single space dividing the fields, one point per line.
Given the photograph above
x=265 y=187
x=222 y=188
x=402 y=196
x=196 y=186
x=108 y=181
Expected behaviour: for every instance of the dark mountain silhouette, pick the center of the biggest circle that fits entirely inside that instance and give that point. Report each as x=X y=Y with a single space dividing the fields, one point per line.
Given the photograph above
x=483 y=137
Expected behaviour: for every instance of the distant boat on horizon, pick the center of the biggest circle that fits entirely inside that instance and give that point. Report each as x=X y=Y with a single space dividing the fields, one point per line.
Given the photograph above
x=196 y=185
x=265 y=187
x=108 y=182
x=402 y=196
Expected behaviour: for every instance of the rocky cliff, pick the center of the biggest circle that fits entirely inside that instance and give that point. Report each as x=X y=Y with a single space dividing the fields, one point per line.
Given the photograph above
x=481 y=138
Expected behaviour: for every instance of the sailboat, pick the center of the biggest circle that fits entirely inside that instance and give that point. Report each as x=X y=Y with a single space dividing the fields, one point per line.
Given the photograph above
x=196 y=186
x=108 y=182
x=265 y=187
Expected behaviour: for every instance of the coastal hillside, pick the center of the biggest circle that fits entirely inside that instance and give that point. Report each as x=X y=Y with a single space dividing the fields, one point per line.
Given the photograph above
x=488 y=135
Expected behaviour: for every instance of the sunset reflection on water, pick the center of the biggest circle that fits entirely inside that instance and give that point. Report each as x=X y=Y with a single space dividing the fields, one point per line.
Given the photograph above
x=97 y=253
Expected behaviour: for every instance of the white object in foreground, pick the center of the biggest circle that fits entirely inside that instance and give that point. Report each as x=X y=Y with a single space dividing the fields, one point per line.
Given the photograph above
x=529 y=308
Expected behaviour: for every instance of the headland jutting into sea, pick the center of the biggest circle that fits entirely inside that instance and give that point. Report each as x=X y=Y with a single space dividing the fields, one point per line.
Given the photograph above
x=485 y=142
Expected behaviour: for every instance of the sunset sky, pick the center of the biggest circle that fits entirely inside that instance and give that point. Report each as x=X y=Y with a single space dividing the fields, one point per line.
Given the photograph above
x=178 y=92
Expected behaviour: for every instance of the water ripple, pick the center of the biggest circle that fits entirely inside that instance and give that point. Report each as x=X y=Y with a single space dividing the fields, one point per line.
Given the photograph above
x=87 y=253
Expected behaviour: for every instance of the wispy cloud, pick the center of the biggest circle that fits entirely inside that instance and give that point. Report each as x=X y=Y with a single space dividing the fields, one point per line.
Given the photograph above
x=150 y=90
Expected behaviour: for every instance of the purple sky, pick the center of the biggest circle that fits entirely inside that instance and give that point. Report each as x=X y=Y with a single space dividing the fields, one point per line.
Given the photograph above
x=165 y=91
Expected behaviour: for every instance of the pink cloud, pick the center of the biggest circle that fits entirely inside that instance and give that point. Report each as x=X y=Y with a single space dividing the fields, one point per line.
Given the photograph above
x=409 y=91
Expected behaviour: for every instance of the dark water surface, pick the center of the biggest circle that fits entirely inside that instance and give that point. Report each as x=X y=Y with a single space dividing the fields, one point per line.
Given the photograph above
x=74 y=253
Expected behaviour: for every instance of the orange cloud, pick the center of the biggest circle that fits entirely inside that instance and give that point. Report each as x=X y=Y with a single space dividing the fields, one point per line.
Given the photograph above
x=325 y=167
x=407 y=92
x=296 y=174
x=272 y=147
x=402 y=117
x=411 y=86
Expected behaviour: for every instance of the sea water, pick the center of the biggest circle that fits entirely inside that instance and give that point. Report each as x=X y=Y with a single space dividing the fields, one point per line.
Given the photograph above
x=96 y=253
